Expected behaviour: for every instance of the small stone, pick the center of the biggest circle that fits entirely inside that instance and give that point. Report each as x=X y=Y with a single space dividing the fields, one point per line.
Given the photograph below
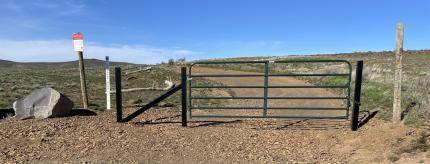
x=133 y=101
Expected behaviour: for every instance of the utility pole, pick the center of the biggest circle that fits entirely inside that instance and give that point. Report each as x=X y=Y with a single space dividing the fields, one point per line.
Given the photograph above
x=397 y=101
x=78 y=44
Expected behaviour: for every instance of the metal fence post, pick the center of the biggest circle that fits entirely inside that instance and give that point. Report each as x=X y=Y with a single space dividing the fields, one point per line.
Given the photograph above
x=357 y=95
x=118 y=94
x=184 y=95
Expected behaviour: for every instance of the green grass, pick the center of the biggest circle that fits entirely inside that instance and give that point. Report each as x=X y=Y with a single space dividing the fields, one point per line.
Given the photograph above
x=393 y=158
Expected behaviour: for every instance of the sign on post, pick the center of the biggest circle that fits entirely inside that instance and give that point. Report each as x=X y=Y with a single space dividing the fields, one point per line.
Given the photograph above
x=78 y=45
x=78 y=41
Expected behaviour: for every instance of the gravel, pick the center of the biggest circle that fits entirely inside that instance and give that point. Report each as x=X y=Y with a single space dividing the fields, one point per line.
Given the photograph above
x=157 y=137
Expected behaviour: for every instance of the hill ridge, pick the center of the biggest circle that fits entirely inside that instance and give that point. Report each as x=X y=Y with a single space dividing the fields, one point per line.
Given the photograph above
x=65 y=64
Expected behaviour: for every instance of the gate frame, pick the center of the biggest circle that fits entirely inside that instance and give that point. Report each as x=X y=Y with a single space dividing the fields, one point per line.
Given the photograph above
x=348 y=85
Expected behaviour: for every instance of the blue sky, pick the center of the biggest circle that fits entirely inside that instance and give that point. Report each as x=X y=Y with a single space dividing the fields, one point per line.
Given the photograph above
x=150 y=31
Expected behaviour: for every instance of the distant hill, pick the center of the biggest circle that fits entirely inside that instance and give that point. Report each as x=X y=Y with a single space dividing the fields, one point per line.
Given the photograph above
x=68 y=64
x=416 y=54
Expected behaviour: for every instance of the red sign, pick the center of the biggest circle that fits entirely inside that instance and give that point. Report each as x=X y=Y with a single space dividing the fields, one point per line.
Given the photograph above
x=78 y=41
x=78 y=36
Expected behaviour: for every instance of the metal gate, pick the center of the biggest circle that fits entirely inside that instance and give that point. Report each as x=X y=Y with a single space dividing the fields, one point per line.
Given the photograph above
x=266 y=74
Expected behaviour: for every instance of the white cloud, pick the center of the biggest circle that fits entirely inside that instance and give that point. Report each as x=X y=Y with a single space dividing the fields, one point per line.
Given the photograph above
x=61 y=7
x=19 y=16
x=62 y=50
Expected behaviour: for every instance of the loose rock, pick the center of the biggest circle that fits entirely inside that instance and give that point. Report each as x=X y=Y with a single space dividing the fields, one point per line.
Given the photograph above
x=43 y=103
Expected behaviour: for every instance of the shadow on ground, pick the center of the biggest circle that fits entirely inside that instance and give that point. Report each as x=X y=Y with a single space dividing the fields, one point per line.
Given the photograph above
x=304 y=124
x=81 y=112
x=366 y=118
x=4 y=113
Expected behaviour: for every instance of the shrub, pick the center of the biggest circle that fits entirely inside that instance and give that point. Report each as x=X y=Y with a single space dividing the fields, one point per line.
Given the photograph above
x=171 y=61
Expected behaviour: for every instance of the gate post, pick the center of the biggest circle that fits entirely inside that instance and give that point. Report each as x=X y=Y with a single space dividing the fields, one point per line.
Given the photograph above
x=357 y=95
x=118 y=94
x=184 y=95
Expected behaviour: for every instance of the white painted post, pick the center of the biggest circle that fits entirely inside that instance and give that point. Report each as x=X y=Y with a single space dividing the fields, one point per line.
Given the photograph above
x=107 y=84
x=397 y=101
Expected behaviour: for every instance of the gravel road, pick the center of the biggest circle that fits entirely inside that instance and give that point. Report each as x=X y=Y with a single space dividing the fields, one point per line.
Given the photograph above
x=157 y=137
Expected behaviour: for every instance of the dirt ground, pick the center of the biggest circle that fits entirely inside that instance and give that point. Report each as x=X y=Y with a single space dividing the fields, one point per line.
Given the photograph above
x=157 y=137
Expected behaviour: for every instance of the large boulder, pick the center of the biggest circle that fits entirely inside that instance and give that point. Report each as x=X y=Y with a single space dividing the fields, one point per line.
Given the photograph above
x=42 y=103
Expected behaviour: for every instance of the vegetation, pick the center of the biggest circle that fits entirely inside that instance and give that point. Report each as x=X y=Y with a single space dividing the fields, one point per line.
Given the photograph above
x=19 y=79
x=393 y=158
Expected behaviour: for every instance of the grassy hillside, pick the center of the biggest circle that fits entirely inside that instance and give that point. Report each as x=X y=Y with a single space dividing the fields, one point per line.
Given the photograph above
x=4 y=64
x=19 y=79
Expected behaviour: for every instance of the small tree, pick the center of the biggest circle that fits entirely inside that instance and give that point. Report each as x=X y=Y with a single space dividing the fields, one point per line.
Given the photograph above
x=171 y=61
x=181 y=59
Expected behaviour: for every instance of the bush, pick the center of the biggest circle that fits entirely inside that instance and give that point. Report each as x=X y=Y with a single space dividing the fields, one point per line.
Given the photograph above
x=181 y=60
x=171 y=61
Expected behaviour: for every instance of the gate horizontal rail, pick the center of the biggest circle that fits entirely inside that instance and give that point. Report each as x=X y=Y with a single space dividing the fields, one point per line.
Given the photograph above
x=270 y=97
x=286 y=86
x=254 y=116
x=262 y=75
x=277 y=108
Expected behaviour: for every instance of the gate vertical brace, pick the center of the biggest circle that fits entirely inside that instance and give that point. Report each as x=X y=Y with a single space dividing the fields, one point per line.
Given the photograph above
x=190 y=105
x=118 y=94
x=184 y=95
x=357 y=95
x=266 y=85
x=348 y=101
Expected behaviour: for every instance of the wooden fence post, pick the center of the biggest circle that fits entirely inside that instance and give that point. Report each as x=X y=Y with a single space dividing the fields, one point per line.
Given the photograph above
x=397 y=100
